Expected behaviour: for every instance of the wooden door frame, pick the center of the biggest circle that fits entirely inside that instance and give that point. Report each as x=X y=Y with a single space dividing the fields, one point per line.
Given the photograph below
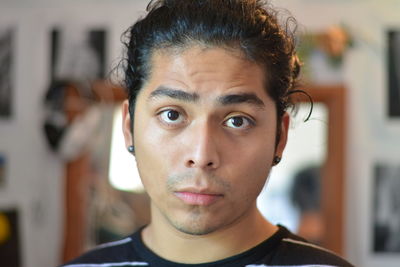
x=78 y=177
x=333 y=170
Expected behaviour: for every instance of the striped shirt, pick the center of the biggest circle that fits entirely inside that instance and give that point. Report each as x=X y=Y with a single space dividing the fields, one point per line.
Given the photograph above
x=282 y=249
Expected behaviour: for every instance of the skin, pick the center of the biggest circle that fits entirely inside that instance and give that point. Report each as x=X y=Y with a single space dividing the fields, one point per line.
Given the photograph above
x=204 y=137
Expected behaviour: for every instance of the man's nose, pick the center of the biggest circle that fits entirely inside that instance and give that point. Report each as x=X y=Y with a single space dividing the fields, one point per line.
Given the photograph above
x=203 y=148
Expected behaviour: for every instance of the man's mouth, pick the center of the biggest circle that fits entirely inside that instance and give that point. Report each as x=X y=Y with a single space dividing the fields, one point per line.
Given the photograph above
x=198 y=198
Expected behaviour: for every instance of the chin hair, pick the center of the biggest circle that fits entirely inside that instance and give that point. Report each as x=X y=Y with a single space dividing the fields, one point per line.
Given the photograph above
x=193 y=227
x=193 y=230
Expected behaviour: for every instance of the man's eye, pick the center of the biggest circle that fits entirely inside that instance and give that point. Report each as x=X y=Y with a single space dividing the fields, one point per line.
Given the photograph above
x=239 y=122
x=171 y=116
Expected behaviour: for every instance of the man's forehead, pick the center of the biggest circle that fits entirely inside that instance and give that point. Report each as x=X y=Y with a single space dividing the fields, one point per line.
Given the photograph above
x=197 y=60
x=192 y=55
x=199 y=48
x=197 y=73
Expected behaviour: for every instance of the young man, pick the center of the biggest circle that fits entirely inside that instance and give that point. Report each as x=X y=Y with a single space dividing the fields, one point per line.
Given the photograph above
x=208 y=84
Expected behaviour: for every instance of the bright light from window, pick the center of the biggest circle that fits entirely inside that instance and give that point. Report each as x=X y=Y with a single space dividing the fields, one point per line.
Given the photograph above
x=123 y=173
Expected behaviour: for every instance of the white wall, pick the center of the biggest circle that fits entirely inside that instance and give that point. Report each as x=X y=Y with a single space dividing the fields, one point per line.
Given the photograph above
x=371 y=136
x=35 y=181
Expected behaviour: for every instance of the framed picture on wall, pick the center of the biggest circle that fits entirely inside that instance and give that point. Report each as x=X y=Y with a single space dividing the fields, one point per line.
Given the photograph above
x=2 y=170
x=393 y=57
x=78 y=54
x=6 y=68
x=386 y=209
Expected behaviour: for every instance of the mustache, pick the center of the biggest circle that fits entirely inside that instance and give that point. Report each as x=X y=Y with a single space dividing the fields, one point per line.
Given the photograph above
x=174 y=181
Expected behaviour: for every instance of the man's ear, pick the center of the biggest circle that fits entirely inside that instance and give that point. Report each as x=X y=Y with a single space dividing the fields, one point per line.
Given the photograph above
x=284 y=128
x=126 y=124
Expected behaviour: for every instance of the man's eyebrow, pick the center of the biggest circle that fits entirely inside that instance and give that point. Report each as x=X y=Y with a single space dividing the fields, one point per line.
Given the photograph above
x=174 y=93
x=239 y=98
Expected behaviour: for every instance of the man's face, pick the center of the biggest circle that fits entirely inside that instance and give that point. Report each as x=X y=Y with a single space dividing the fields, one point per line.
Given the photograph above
x=204 y=137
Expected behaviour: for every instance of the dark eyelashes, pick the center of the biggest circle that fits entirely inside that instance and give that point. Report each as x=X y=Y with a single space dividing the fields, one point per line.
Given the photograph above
x=163 y=117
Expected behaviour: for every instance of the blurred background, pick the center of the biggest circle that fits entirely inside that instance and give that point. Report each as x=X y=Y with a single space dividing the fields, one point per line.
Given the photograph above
x=67 y=182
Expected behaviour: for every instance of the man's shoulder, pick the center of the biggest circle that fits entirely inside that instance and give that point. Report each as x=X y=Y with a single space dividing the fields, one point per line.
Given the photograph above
x=117 y=253
x=296 y=251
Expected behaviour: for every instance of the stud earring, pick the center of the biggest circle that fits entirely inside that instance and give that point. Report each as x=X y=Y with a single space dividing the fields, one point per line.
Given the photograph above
x=131 y=149
x=276 y=161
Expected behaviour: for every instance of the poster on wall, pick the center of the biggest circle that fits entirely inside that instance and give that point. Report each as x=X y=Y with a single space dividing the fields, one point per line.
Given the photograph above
x=77 y=59
x=386 y=209
x=6 y=66
x=394 y=73
x=9 y=239
x=2 y=170
x=78 y=55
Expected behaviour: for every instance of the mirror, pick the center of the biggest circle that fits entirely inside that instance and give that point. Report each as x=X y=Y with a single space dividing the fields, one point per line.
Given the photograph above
x=80 y=186
x=291 y=196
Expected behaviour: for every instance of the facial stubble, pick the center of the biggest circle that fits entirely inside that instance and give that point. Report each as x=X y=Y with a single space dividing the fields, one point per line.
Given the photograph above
x=194 y=223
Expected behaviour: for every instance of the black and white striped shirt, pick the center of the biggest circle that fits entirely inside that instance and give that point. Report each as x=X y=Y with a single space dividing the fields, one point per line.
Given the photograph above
x=283 y=249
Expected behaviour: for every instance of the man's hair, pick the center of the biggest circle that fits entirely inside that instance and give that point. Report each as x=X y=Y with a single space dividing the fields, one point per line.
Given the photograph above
x=250 y=26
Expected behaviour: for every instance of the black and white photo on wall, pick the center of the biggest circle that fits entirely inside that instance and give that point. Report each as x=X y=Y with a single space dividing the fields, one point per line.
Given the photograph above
x=393 y=73
x=6 y=69
x=386 y=208
x=2 y=170
x=78 y=55
x=77 y=59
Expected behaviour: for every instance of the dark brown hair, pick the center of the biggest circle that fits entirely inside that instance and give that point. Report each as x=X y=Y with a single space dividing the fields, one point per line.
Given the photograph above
x=249 y=25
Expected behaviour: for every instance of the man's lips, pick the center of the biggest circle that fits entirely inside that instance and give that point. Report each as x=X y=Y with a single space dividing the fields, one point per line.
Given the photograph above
x=200 y=199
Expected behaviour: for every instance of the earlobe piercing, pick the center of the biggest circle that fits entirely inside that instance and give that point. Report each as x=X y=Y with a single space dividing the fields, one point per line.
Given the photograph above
x=131 y=149
x=276 y=161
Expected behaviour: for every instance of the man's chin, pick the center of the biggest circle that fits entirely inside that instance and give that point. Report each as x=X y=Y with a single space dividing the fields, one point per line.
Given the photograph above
x=196 y=227
x=197 y=231
x=193 y=221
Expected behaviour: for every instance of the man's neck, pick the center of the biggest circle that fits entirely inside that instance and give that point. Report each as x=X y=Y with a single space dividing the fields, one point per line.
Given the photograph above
x=171 y=244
